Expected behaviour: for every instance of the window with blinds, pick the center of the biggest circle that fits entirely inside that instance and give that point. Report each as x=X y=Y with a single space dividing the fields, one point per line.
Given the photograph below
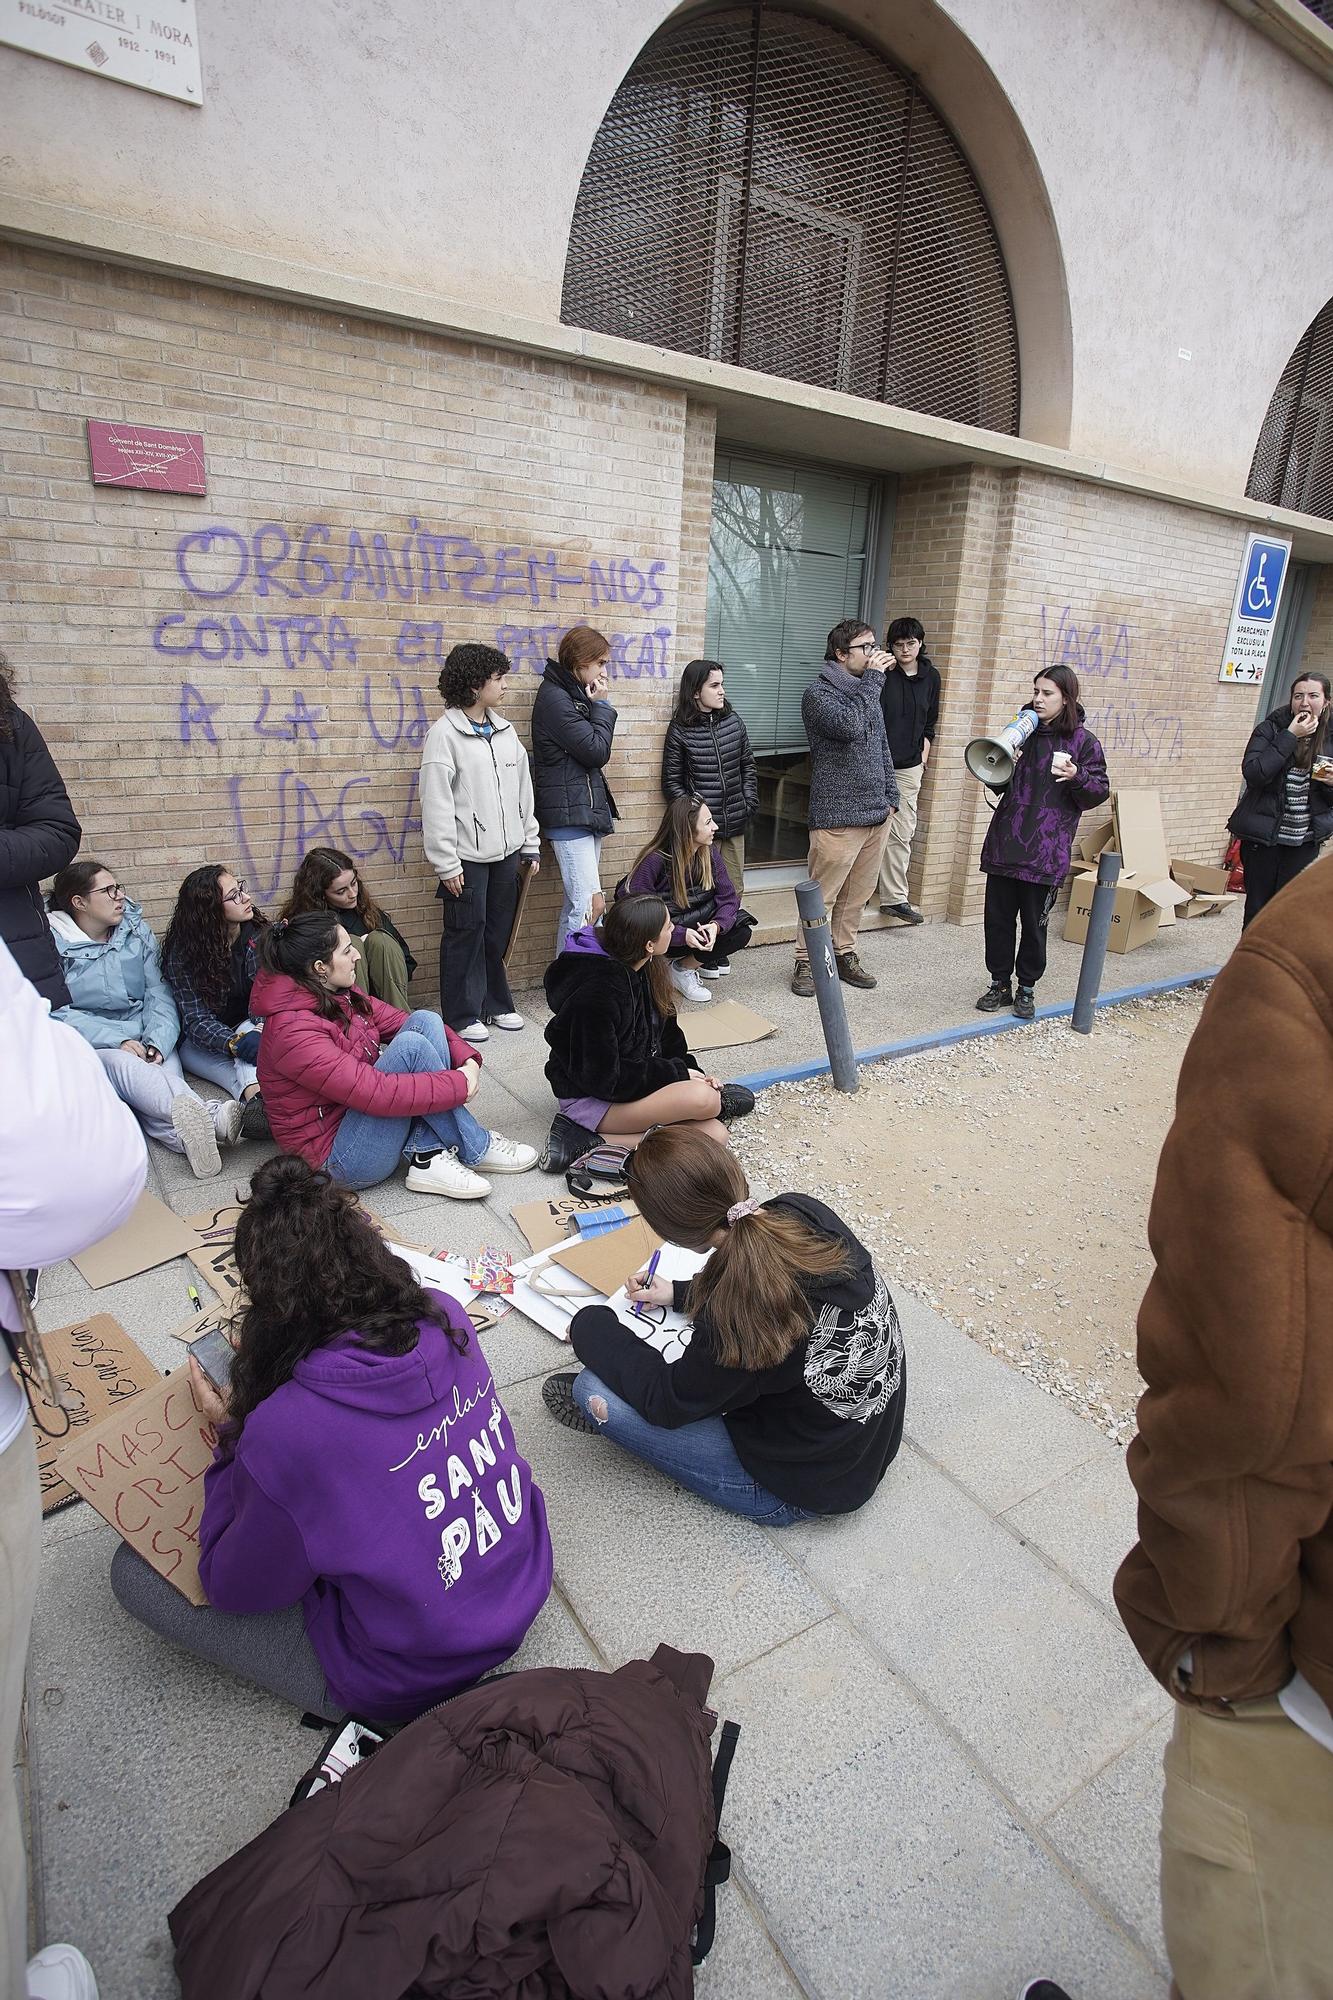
x=1293 y=460
x=767 y=190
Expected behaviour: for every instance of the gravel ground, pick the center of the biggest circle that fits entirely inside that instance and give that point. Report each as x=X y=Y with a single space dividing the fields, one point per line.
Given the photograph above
x=1006 y=1182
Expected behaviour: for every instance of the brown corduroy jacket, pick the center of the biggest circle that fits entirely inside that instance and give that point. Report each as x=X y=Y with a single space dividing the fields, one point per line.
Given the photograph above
x=1234 y=1458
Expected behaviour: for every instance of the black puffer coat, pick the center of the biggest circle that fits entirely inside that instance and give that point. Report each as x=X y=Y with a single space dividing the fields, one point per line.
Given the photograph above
x=38 y=835
x=1269 y=755
x=606 y=1037
x=710 y=758
x=571 y=742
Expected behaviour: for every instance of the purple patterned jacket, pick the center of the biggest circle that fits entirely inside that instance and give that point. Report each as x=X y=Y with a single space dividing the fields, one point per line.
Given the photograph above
x=1032 y=833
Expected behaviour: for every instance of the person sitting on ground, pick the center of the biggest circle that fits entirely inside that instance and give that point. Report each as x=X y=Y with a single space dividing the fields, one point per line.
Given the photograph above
x=573 y=728
x=355 y=1085
x=371 y=1540
x=328 y=880
x=619 y=1063
x=209 y=958
x=1285 y=812
x=120 y=1003
x=706 y=754
x=682 y=865
x=1058 y=775
x=788 y=1401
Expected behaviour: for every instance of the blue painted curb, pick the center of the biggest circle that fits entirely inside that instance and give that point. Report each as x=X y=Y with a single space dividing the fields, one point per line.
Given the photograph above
x=972 y=1031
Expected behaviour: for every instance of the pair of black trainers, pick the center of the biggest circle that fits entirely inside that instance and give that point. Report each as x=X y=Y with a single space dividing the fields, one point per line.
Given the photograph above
x=1001 y=994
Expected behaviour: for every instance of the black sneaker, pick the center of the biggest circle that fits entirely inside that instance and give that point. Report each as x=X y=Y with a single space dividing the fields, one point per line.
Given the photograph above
x=851 y=971
x=998 y=994
x=1025 y=1003
x=558 y=1396
x=254 y=1119
x=1043 y=1989
x=803 y=980
x=566 y=1142
x=906 y=913
x=737 y=1102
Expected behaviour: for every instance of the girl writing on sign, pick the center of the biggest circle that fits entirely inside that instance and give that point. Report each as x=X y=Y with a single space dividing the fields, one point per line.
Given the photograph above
x=683 y=865
x=120 y=1003
x=788 y=1401
x=356 y=1085
x=371 y=1540
x=573 y=728
x=210 y=957
x=328 y=880
x=1285 y=812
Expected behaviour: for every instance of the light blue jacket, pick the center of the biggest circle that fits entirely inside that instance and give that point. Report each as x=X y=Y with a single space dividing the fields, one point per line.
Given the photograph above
x=116 y=988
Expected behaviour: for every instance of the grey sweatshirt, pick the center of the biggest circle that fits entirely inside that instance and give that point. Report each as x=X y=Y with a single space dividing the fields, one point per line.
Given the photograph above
x=851 y=771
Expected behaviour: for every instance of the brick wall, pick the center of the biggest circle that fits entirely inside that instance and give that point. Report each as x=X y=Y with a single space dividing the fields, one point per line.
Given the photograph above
x=1317 y=656
x=327 y=429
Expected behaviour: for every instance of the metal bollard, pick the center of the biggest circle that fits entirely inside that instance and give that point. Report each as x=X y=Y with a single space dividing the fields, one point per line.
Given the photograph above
x=828 y=987
x=1094 y=945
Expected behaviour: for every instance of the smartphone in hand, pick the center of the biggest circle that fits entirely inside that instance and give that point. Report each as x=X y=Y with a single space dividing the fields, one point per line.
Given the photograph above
x=214 y=1353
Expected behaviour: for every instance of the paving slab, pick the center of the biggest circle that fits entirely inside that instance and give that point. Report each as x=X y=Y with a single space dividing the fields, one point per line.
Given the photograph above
x=882 y=1861
x=969 y=1616
x=1086 y=1522
x=642 y=1562
x=1108 y=1835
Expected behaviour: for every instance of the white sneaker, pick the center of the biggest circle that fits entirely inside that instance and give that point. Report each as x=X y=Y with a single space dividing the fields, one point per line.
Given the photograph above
x=689 y=985
x=476 y=1032
x=714 y=971
x=511 y=1022
x=507 y=1156
x=228 y=1115
x=444 y=1173
x=61 y=1972
x=194 y=1129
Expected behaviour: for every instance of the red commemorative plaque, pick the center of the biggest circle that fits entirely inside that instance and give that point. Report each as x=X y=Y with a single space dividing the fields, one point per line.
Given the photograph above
x=135 y=455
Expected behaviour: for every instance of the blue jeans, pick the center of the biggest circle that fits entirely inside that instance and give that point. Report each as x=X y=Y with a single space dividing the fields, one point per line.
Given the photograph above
x=229 y=1073
x=700 y=1457
x=579 y=862
x=367 y=1148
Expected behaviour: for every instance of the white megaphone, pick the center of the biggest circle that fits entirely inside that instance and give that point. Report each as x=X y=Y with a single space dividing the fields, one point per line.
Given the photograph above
x=991 y=759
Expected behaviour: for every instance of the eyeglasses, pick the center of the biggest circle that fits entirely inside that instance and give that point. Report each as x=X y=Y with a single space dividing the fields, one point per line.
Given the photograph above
x=112 y=889
x=863 y=646
x=236 y=895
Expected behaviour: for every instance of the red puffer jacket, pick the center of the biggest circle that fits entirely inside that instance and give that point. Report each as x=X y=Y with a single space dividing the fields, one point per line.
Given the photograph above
x=314 y=1066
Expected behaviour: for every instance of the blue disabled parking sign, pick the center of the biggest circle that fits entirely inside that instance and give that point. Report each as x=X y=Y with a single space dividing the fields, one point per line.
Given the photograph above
x=1263 y=571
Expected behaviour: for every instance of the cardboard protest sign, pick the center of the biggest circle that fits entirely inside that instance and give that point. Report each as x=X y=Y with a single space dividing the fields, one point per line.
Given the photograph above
x=143 y=1469
x=605 y=1262
x=725 y=1025
x=224 y=1319
x=545 y=1223
x=97 y=1366
x=152 y=1236
x=214 y=1251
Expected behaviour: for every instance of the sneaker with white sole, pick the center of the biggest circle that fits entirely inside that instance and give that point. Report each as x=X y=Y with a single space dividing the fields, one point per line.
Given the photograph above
x=689 y=985
x=228 y=1115
x=444 y=1173
x=511 y=1023
x=507 y=1156
x=475 y=1032
x=60 y=1972
x=194 y=1129
x=714 y=971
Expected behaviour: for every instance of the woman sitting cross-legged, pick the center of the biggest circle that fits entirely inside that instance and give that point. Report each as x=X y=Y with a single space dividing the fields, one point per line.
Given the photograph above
x=788 y=1401
x=371 y=1539
x=354 y=1084
x=328 y=880
x=122 y=1005
x=209 y=957
x=682 y=865
x=619 y=1063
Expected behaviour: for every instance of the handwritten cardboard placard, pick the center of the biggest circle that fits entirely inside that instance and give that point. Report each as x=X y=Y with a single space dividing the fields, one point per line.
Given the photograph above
x=214 y=1254
x=224 y=1319
x=606 y=1262
x=545 y=1223
x=151 y=1236
x=97 y=1366
x=143 y=1469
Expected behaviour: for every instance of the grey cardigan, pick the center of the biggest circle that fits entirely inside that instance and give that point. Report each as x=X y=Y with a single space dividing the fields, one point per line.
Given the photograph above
x=851 y=771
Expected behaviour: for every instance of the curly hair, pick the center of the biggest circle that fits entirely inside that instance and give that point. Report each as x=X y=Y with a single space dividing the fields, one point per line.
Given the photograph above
x=7 y=701
x=314 y=1266
x=467 y=668
x=294 y=945
x=197 y=941
x=321 y=866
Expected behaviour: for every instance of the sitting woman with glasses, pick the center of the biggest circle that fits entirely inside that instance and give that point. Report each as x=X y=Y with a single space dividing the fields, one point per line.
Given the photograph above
x=120 y=1003
x=327 y=880
x=209 y=958
x=788 y=1400
x=619 y=1062
x=683 y=866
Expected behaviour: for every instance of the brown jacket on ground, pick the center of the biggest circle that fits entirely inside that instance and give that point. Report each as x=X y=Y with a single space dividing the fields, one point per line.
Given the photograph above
x=544 y=1834
x=1234 y=1458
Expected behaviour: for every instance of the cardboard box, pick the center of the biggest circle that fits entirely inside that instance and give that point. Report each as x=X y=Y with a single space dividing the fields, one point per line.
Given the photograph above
x=1137 y=821
x=1206 y=886
x=1135 y=915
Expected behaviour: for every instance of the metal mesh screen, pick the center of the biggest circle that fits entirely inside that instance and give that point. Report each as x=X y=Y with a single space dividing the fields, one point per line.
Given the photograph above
x=1323 y=8
x=768 y=191
x=1293 y=460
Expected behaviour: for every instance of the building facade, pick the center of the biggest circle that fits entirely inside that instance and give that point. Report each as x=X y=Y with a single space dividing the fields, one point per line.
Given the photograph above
x=706 y=327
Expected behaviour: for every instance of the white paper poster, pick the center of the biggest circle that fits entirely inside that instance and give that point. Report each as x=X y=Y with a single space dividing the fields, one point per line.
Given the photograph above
x=154 y=47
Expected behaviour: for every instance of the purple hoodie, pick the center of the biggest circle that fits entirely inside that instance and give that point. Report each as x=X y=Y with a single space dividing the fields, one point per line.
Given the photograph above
x=384 y=1492
x=1031 y=834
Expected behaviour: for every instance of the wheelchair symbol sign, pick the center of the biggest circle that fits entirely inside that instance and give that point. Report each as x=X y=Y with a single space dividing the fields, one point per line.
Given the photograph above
x=1261 y=585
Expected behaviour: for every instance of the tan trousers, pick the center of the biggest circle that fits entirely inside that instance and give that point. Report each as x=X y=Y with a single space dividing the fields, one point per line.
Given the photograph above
x=1247 y=1857
x=733 y=856
x=898 y=846
x=844 y=861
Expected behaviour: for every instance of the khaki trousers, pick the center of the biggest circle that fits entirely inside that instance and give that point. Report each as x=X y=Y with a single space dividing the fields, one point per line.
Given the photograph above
x=1247 y=1857
x=844 y=861
x=383 y=969
x=898 y=846
x=733 y=856
x=20 y=1547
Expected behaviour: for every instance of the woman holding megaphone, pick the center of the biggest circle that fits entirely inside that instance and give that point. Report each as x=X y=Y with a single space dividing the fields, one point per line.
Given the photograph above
x=1058 y=774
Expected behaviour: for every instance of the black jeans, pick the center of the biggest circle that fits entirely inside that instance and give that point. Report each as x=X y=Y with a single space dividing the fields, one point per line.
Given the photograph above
x=1028 y=906
x=474 y=937
x=1268 y=869
x=728 y=942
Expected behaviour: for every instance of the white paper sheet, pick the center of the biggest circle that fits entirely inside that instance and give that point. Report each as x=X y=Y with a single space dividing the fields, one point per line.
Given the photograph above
x=437 y=1273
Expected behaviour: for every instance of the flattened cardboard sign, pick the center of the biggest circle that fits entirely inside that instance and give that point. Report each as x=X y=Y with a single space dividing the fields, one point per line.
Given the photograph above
x=224 y=1319
x=546 y=1223
x=605 y=1262
x=527 y=875
x=97 y=1366
x=143 y=1470
x=152 y=1236
x=725 y=1025
x=214 y=1253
